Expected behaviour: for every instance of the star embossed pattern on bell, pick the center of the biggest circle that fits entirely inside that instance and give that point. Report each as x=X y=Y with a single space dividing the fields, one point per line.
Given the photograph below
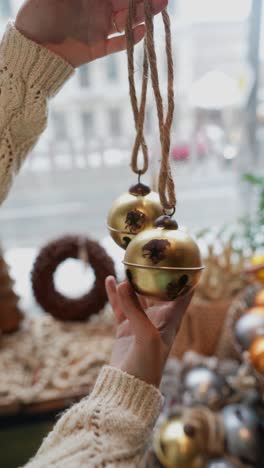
x=163 y=262
x=133 y=212
x=174 y=448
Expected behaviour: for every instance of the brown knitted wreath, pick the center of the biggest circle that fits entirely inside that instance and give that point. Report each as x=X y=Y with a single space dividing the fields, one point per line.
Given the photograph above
x=46 y=264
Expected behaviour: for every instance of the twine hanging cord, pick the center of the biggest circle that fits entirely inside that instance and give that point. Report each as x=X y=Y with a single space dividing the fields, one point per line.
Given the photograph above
x=139 y=111
x=166 y=183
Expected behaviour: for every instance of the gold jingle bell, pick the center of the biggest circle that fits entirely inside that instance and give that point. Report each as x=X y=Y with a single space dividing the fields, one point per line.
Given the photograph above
x=132 y=213
x=163 y=262
x=174 y=448
x=256 y=354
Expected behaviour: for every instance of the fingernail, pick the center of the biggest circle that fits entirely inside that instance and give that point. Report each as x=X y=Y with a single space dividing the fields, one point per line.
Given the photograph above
x=111 y=281
x=126 y=289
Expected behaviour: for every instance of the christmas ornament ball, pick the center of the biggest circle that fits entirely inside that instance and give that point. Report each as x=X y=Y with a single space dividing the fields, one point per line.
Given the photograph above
x=220 y=463
x=247 y=328
x=259 y=298
x=133 y=212
x=256 y=353
x=258 y=260
x=256 y=310
x=242 y=433
x=175 y=449
x=204 y=386
x=163 y=262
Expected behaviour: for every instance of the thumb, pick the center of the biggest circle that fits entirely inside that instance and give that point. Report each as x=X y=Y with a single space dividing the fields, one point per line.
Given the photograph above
x=173 y=316
x=177 y=309
x=141 y=326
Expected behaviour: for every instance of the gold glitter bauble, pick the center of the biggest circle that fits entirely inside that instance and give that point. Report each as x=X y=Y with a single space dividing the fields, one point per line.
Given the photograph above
x=175 y=449
x=256 y=354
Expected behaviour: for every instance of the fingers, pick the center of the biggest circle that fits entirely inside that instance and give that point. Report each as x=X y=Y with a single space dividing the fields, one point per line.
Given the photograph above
x=176 y=310
x=123 y=4
x=171 y=318
x=111 y=289
x=143 y=302
x=81 y=53
x=120 y=16
x=140 y=324
x=118 y=43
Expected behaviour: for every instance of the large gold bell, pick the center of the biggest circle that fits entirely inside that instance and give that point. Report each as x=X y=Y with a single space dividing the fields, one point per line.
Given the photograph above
x=174 y=448
x=133 y=212
x=163 y=262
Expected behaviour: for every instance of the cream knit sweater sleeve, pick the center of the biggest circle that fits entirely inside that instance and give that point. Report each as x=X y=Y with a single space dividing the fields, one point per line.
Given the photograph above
x=109 y=429
x=29 y=75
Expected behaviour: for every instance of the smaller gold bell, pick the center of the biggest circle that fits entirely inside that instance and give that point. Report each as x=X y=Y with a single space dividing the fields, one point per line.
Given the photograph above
x=163 y=262
x=256 y=354
x=132 y=213
x=174 y=448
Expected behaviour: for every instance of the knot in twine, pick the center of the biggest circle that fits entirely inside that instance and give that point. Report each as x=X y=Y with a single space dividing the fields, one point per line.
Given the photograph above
x=166 y=183
x=208 y=429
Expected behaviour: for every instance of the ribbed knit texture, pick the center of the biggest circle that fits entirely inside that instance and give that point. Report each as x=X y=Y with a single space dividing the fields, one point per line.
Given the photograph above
x=29 y=75
x=111 y=428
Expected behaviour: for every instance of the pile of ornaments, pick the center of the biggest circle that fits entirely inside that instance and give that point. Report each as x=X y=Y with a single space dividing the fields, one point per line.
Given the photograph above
x=232 y=407
x=249 y=334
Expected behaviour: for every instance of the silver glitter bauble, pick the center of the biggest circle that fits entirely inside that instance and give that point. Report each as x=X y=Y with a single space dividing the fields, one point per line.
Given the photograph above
x=247 y=328
x=220 y=463
x=204 y=386
x=242 y=433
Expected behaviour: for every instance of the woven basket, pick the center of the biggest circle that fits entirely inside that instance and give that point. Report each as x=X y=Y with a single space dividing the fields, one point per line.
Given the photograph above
x=201 y=327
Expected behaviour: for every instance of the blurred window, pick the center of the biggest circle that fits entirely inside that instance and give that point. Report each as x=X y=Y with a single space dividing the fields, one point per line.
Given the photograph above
x=59 y=125
x=84 y=77
x=215 y=10
x=5 y=8
x=111 y=68
x=87 y=123
x=115 y=122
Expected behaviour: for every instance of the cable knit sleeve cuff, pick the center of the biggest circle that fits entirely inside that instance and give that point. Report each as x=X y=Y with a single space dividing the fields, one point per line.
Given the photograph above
x=128 y=393
x=36 y=65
